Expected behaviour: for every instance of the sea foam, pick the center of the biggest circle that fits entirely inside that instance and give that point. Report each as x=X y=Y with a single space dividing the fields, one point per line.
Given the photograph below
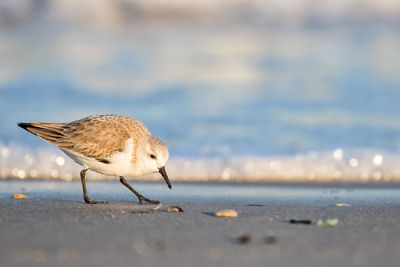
x=23 y=162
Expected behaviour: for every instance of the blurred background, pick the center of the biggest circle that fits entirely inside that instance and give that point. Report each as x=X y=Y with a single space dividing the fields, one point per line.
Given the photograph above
x=238 y=90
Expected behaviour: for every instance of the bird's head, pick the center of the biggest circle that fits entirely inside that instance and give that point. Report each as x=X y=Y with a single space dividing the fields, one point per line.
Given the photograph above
x=156 y=156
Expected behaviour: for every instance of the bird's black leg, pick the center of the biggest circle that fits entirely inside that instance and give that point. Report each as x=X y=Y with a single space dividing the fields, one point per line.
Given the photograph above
x=140 y=197
x=85 y=196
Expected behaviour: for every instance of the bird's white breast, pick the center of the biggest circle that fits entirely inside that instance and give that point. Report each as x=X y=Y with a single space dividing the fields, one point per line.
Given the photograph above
x=120 y=163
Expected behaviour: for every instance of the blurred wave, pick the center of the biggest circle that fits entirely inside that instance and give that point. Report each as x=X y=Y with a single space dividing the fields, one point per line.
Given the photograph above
x=19 y=162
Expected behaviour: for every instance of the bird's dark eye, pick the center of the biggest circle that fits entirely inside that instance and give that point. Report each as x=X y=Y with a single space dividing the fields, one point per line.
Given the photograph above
x=152 y=156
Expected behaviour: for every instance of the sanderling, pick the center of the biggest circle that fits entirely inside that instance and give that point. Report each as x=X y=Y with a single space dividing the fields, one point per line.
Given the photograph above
x=109 y=144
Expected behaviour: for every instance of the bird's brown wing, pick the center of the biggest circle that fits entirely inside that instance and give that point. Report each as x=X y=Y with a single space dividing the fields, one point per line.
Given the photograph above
x=96 y=137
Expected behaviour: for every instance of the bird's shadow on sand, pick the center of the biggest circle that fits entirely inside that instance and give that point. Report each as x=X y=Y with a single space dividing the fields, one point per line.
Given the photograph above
x=209 y=214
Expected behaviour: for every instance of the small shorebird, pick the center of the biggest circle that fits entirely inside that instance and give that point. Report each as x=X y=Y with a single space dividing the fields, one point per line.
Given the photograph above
x=108 y=144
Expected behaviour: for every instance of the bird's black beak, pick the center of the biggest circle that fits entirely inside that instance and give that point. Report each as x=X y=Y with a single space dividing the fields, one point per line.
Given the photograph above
x=165 y=176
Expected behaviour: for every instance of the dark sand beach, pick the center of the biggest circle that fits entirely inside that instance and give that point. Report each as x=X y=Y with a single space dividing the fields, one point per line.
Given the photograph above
x=53 y=227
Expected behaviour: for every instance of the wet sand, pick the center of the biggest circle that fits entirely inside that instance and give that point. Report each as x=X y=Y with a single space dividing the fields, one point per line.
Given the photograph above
x=53 y=227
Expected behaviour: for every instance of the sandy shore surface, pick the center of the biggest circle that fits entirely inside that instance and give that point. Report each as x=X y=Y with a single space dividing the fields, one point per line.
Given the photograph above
x=53 y=227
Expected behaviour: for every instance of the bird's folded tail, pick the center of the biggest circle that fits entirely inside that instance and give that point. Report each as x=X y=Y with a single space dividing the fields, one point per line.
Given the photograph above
x=51 y=132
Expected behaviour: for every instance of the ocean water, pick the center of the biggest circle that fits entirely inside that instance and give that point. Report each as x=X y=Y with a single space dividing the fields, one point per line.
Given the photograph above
x=296 y=95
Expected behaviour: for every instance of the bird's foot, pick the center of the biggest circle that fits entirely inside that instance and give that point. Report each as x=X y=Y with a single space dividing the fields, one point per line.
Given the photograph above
x=89 y=201
x=142 y=198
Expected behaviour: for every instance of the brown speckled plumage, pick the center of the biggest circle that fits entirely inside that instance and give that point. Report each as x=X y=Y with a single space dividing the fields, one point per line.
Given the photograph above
x=83 y=136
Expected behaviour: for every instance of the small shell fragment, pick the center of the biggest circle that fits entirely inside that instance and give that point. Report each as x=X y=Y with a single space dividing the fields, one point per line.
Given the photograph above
x=328 y=222
x=300 y=221
x=172 y=209
x=226 y=213
x=19 y=196
x=342 y=205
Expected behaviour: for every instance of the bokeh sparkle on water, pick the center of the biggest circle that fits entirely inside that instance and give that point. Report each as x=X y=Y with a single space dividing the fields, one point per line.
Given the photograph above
x=239 y=90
